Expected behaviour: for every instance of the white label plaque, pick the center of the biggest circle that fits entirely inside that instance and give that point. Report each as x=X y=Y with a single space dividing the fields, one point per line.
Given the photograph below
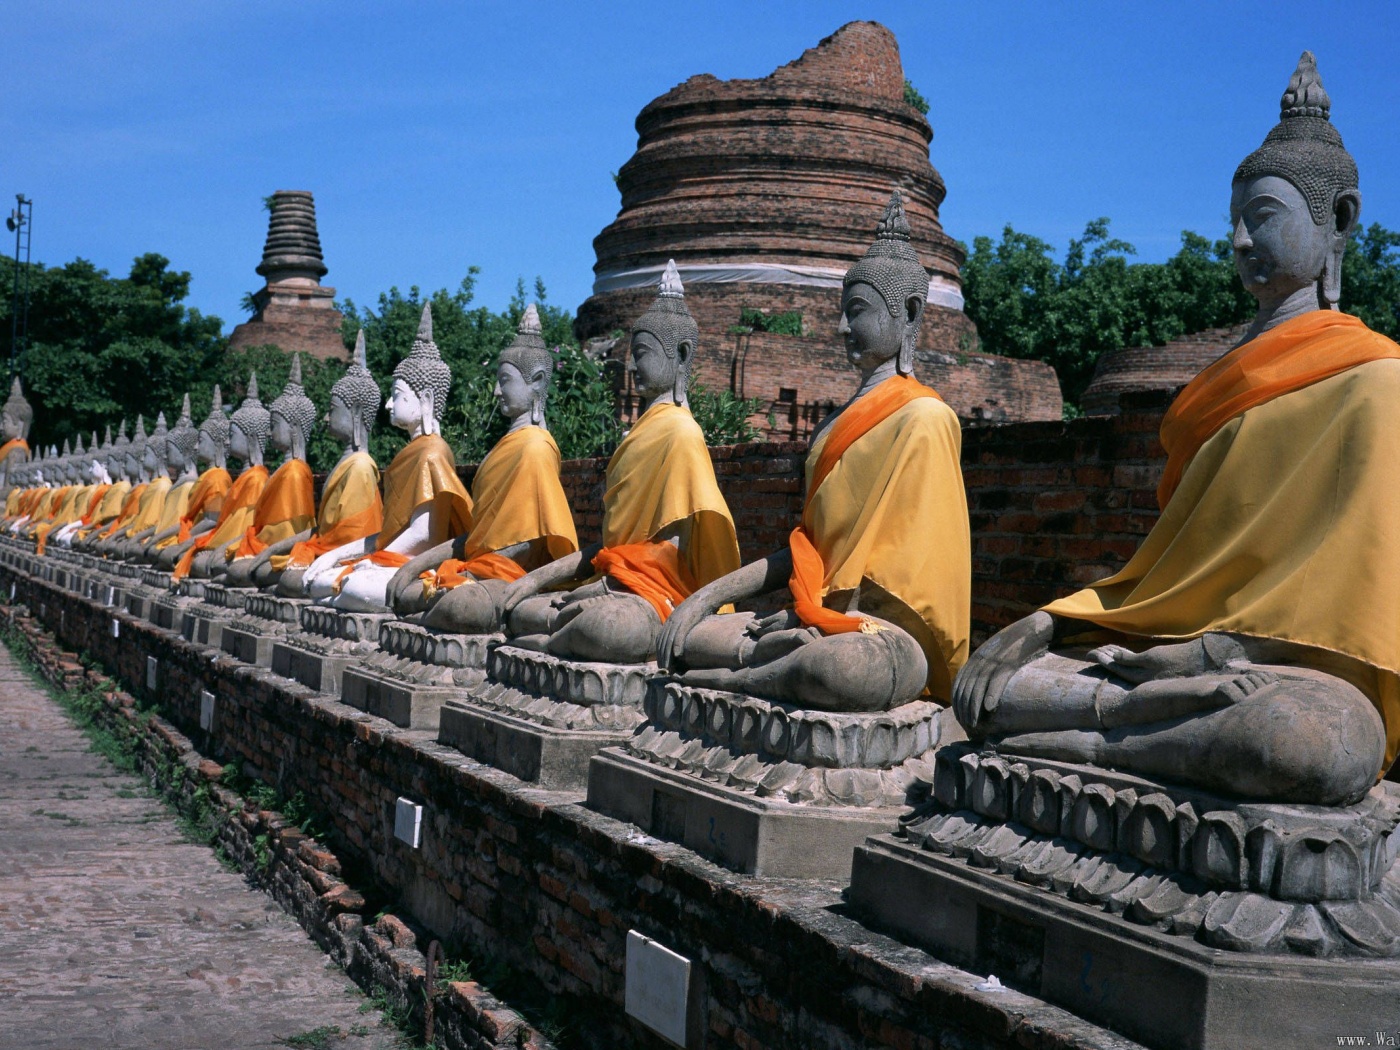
x=408 y=822
x=116 y=628
x=152 y=672
x=658 y=987
x=206 y=710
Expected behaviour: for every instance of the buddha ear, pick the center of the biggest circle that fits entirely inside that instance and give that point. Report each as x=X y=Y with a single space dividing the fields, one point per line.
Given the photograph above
x=680 y=391
x=913 y=314
x=1346 y=212
x=425 y=406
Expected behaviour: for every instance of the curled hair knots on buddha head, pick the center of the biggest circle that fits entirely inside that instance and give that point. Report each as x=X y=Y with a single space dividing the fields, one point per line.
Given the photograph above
x=529 y=355
x=16 y=407
x=137 y=449
x=424 y=369
x=1304 y=147
x=668 y=318
x=252 y=417
x=216 y=424
x=890 y=265
x=357 y=389
x=183 y=436
x=293 y=405
x=159 y=437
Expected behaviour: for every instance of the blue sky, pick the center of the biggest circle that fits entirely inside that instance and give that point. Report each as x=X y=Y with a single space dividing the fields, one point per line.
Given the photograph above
x=442 y=135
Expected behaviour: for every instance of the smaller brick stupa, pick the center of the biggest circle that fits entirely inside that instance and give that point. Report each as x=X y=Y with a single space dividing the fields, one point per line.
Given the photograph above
x=293 y=310
x=1142 y=368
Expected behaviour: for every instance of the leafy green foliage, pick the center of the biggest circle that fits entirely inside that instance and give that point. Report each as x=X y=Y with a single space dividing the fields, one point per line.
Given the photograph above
x=914 y=98
x=787 y=322
x=1026 y=304
x=723 y=417
x=101 y=347
x=1371 y=279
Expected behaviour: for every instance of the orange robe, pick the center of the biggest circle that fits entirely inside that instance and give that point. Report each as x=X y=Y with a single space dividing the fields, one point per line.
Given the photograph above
x=206 y=498
x=351 y=509
x=286 y=507
x=233 y=521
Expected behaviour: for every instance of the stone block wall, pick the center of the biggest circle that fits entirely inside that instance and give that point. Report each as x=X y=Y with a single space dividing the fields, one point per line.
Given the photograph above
x=535 y=882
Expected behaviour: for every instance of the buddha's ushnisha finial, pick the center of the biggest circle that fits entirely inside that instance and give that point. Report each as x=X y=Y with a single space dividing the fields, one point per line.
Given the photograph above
x=1304 y=147
x=107 y=440
x=185 y=420
x=67 y=448
x=527 y=351
x=668 y=318
x=890 y=264
x=1305 y=97
x=671 y=286
x=292 y=404
x=529 y=322
x=359 y=357
x=218 y=405
x=893 y=225
x=92 y=444
x=423 y=368
x=78 y=445
x=161 y=427
x=252 y=394
x=140 y=434
x=252 y=417
x=425 y=324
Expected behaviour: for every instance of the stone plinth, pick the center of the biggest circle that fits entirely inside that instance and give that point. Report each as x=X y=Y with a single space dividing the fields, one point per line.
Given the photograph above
x=205 y=620
x=541 y=718
x=1179 y=918
x=415 y=671
x=266 y=619
x=328 y=642
x=766 y=788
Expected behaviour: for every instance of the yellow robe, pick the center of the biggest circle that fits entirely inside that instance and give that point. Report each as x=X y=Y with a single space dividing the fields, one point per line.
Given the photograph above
x=661 y=475
x=177 y=502
x=351 y=509
x=148 y=511
x=893 y=511
x=108 y=509
x=286 y=507
x=425 y=472
x=517 y=497
x=1286 y=525
x=70 y=509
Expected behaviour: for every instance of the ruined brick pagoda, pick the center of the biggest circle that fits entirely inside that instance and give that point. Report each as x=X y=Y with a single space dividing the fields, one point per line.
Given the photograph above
x=293 y=310
x=763 y=191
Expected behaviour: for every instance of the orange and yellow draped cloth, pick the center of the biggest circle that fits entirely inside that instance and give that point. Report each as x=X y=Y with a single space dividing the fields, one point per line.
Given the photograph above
x=234 y=518
x=350 y=510
x=12 y=446
x=12 y=503
x=124 y=517
x=423 y=474
x=1285 y=521
x=69 y=509
x=516 y=498
x=107 y=508
x=886 y=505
x=287 y=506
x=206 y=498
x=177 y=503
x=152 y=503
x=48 y=505
x=659 y=477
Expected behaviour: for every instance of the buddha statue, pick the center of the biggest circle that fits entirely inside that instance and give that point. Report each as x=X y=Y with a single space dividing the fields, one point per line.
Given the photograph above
x=521 y=518
x=880 y=567
x=180 y=445
x=97 y=497
x=1249 y=646
x=351 y=508
x=133 y=463
x=59 y=509
x=666 y=527
x=16 y=417
x=287 y=506
x=151 y=509
x=117 y=501
x=424 y=501
x=249 y=428
x=206 y=500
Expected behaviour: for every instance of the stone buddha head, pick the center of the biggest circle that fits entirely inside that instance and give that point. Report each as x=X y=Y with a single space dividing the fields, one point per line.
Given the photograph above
x=293 y=415
x=136 y=452
x=883 y=296
x=250 y=426
x=523 y=373
x=422 y=381
x=181 y=443
x=16 y=416
x=1295 y=200
x=100 y=456
x=116 y=455
x=212 y=446
x=355 y=401
x=154 y=459
x=664 y=341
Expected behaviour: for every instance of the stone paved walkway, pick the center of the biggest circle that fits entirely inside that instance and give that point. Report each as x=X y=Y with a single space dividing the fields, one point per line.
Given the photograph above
x=116 y=933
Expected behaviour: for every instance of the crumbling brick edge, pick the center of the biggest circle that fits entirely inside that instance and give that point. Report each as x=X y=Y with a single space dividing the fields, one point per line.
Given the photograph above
x=302 y=874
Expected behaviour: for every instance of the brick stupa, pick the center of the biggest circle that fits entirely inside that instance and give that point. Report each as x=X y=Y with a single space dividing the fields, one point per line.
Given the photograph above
x=293 y=310
x=764 y=192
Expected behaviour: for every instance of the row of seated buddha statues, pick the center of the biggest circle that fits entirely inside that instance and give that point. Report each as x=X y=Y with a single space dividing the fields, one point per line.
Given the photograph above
x=1196 y=744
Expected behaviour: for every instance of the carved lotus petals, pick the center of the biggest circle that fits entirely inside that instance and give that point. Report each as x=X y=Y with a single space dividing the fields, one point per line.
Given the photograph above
x=1148 y=832
x=1040 y=802
x=1091 y=818
x=1320 y=867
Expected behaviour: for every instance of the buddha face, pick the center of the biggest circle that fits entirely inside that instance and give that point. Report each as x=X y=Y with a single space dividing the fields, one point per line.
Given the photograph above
x=514 y=394
x=206 y=449
x=114 y=465
x=281 y=436
x=407 y=410
x=133 y=464
x=872 y=335
x=1278 y=248
x=149 y=459
x=175 y=462
x=653 y=370
x=10 y=426
x=340 y=420
x=237 y=442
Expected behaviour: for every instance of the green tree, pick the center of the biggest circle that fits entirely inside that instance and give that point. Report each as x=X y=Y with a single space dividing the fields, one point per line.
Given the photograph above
x=101 y=347
x=1371 y=279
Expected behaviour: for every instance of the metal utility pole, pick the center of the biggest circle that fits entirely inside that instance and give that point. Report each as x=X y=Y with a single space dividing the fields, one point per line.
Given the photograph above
x=20 y=221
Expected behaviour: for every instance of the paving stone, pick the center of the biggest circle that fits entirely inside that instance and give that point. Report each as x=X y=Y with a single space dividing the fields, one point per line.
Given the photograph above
x=117 y=932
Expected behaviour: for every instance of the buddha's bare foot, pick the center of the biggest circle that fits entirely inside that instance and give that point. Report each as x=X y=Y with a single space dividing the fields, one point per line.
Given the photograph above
x=618 y=628
x=467 y=609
